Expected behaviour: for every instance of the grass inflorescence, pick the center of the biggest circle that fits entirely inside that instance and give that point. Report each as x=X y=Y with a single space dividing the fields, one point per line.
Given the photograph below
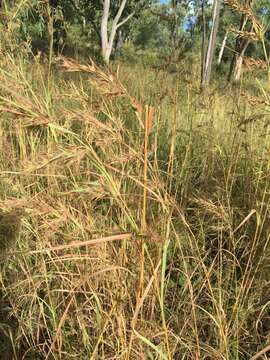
x=138 y=214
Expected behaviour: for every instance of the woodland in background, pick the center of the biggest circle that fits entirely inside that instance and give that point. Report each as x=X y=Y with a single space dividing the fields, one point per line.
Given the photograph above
x=142 y=31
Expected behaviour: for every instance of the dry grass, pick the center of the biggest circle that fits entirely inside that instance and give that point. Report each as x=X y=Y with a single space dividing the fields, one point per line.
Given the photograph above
x=145 y=232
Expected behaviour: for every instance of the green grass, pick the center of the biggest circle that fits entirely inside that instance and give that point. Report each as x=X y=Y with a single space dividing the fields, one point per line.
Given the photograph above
x=191 y=283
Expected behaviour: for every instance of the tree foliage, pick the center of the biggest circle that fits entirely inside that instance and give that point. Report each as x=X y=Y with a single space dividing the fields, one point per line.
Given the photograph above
x=172 y=29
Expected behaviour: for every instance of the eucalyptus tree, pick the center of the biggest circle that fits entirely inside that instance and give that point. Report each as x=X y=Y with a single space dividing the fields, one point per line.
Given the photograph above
x=114 y=15
x=251 y=14
x=208 y=59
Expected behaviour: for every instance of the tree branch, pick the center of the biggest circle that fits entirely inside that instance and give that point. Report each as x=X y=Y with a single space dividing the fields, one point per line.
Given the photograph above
x=119 y=13
x=125 y=20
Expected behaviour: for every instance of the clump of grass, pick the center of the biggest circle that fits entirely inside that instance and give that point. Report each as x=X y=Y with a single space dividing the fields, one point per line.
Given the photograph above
x=137 y=243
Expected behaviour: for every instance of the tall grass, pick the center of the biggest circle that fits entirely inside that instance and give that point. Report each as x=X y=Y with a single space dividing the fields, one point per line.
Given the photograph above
x=145 y=223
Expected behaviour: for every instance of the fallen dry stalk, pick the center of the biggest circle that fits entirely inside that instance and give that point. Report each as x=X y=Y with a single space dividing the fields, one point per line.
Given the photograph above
x=261 y=353
x=75 y=244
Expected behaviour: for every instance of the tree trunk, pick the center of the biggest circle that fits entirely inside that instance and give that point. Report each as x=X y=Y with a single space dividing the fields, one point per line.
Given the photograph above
x=239 y=62
x=237 y=68
x=241 y=45
x=107 y=40
x=120 y=40
x=104 y=31
x=222 y=48
x=211 y=46
x=203 y=41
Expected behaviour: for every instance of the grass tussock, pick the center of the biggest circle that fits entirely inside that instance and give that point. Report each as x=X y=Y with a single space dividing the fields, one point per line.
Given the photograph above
x=138 y=214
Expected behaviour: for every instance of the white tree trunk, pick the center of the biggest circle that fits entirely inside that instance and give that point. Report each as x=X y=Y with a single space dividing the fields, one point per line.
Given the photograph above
x=107 y=39
x=211 y=45
x=104 y=30
x=222 y=48
x=203 y=44
x=239 y=62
